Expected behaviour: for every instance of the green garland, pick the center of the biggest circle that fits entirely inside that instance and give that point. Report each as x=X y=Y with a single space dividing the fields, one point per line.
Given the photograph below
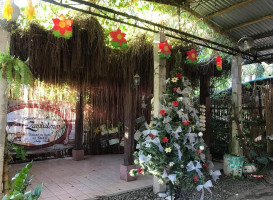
x=15 y=71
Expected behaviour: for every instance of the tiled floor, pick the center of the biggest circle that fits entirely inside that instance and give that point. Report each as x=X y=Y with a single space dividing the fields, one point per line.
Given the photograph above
x=65 y=179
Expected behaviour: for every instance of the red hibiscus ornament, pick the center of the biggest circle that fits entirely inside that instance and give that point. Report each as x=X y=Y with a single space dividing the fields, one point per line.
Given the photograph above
x=175 y=89
x=192 y=57
x=140 y=171
x=165 y=140
x=195 y=178
x=219 y=63
x=152 y=136
x=175 y=103
x=186 y=122
x=164 y=50
x=62 y=27
x=206 y=166
x=179 y=75
x=118 y=39
x=162 y=112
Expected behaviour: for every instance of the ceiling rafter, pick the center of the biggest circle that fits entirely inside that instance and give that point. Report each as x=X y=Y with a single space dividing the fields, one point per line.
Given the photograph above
x=250 y=22
x=264 y=48
x=239 y=5
x=262 y=35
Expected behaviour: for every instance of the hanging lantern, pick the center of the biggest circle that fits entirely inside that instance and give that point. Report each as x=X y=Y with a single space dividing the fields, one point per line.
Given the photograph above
x=118 y=39
x=62 y=27
x=164 y=50
x=219 y=63
x=30 y=10
x=192 y=57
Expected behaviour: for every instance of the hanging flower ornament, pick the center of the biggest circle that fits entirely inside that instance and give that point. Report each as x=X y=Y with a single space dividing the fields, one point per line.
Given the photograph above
x=8 y=10
x=219 y=63
x=164 y=50
x=62 y=27
x=192 y=57
x=118 y=39
x=30 y=10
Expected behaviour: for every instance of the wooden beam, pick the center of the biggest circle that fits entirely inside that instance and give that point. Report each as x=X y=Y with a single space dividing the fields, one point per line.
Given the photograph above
x=262 y=35
x=264 y=48
x=230 y=8
x=250 y=22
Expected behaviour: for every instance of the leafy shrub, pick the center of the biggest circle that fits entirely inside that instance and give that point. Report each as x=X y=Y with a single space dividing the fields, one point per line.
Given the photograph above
x=19 y=184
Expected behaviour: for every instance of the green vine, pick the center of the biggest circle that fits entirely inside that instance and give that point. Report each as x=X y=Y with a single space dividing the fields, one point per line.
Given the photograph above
x=15 y=71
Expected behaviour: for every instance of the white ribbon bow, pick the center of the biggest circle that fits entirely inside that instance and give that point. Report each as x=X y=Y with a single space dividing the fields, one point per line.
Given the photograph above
x=177 y=146
x=149 y=131
x=156 y=141
x=171 y=177
x=191 y=137
x=191 y=167
x=178 y=130
x=207 y=185
x=168 y=127
x=191 y=146
x=215 y=174
x=167 y=120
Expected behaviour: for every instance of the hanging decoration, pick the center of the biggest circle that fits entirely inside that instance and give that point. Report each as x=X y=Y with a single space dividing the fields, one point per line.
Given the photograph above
x=118 y=39
x=192 y=57
x=164 y=50
x=8 y=10
x=219 y=63
x=62 y=27
x=30 y=10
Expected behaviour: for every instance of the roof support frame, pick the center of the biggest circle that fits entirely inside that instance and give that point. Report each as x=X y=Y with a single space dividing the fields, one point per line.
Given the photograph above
x=149 y=26
x=230 y=8
x=250 y=23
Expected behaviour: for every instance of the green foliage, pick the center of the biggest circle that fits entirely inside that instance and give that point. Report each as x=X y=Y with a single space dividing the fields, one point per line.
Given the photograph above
x=15 y=71
x=19 y=184
x=20 y=151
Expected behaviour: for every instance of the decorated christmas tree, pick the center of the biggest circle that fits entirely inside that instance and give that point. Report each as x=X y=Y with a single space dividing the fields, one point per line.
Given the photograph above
x=171 y=146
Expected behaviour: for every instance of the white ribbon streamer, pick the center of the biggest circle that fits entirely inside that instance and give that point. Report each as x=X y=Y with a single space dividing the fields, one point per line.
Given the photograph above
x=177 y=146
x=191 y=167
x=171 y=177
x=207 y=185
x=167 y=120
x=215 y=174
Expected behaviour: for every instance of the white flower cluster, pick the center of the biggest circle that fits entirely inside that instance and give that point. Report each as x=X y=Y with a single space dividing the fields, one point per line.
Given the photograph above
x=202 y=117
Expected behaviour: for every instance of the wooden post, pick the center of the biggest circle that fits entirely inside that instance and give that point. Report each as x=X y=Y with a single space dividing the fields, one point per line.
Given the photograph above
x=129 y=126
x=236 y=73
x=269 y=117
x=129 y=123
x=205 y=100
x=4 y=41
x=159 y=88
x=78 y=151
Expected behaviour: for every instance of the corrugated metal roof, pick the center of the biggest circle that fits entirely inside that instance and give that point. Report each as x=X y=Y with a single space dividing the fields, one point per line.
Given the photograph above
x=240 y=15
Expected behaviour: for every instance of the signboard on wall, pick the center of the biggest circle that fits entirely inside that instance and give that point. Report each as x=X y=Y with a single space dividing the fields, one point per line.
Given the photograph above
x=37 y=126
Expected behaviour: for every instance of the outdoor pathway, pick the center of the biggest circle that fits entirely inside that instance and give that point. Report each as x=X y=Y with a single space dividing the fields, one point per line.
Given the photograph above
x=74 y=180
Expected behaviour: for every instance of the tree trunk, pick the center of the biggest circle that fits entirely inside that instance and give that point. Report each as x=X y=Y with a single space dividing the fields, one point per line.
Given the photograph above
x=7 y=159
x=3 y=122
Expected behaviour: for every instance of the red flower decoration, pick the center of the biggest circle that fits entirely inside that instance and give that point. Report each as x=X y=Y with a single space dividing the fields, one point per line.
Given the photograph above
x=186 y=122
x=165 y=140
x=198 y=152
x=140 y=171
x=175 y=103
x=162 y=112
x=175 y=89
x=219 y=63
x=168 y=171
x=178 y=75
x=164 y=50
x=62 y=27
x=206 y=166
x=192 y=57
x=118 y=39
x=152 y=136
x=195 y=178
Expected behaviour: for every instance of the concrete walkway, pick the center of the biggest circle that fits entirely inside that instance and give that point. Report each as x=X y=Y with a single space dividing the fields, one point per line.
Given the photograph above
x=65 y=179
